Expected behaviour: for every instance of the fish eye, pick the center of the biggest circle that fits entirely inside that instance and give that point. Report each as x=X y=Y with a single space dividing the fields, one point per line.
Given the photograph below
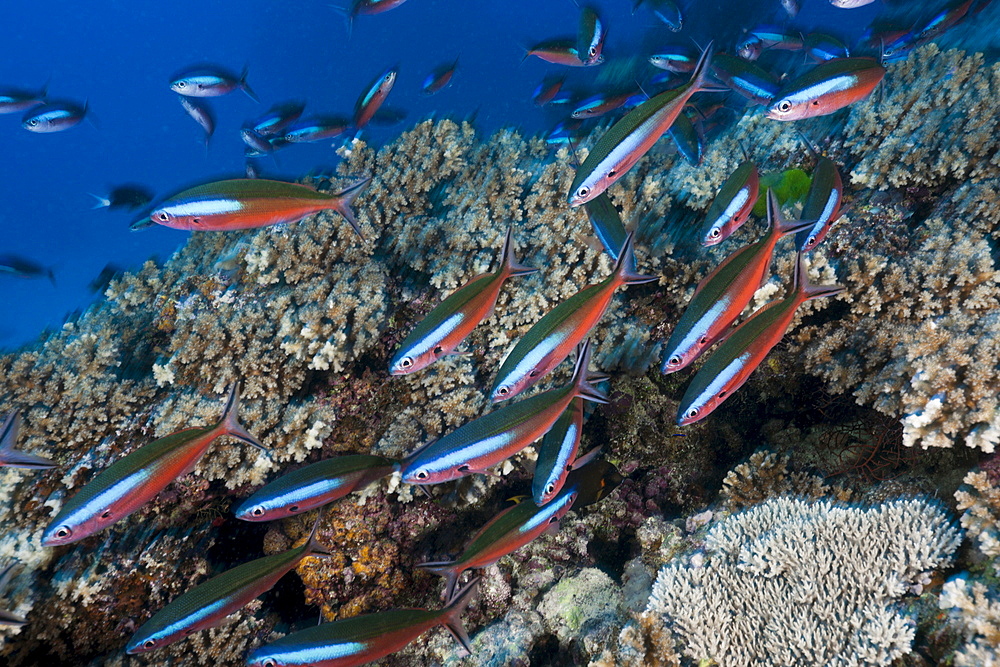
x=269 y=663
x=149 y=643
x=181 y=84
x=63 y=532
x=257 y=511
x=422 y=474
x=583 y=192
x=674 y=360
x=33 y=122
x=163 y=216
x=593 y=51
x=784 y=105
x=503 y=391
x=715 y=233
x=550 y=487
x=405 y=362
x=692 y=413
x=810 y=241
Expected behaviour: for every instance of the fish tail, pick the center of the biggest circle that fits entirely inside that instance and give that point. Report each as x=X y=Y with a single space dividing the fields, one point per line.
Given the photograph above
x=245 y=87
x=581 y=378
x=231 y=419
x=699 y=75
x=15 y=458
x=102 y=202
x=625 y=266
x=344 y=199
x=313 y=546
x=453 y=614
x=806 y=291
x=509 y=264
x=446 y=569
x=779 y=225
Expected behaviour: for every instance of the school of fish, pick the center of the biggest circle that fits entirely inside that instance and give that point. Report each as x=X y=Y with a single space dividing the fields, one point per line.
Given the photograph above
x=713 y=327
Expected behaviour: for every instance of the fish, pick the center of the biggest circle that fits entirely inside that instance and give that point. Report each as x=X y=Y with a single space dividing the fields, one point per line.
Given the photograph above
x=557 y=453
x=277 y=118
x=690 y=142
x=557 y=52
x=138 y=477
x=942 y=21
x=104 y=278
x=9 y=618
x=14 y=100
x=773 y=37
x=451 y=321
x=791 y=7
x=733 y=205
x=750 y=48
x=665 y=10
x=127 y=196
x=373 y=97
x=316 y=129
x=746 y=78
x=632 y=136
x=521 y=524
x=54 y=117
x=723 y=294
x=313 y=486
x=553 y=337
x=742 y=352
x=255 y=141
x=598 y=105
x=373 y=7
x=822 y=47
x=361 y=639
x=679 y=60
x=546 y=91
x=493 y=438
x=567 y=132
x=828 y=87
x=22 y=267
x=249 y=203
x=209 y=603
x=201 y=113
x=210 y=81
x=13 y=458
x=850 y=4
x=826 y=191
x=607 y=224
x=590 y=38
x=439 y=79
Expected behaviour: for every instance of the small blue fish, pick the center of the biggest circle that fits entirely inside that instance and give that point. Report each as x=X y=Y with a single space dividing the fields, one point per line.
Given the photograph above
x=316 y=129
x=439 y=79
x=201 y=113
x=54 y=117
x=13 y=100
x=277 y=118
x=210 y=81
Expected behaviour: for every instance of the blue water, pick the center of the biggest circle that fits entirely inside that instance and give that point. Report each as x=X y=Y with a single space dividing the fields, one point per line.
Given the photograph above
x=118 y=55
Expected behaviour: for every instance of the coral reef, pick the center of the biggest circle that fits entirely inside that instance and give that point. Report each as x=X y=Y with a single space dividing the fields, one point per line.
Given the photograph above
x=308 y=315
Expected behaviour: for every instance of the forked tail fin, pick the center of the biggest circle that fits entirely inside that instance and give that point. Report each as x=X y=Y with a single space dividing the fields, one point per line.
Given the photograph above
x=452 y=614
x=231 y=419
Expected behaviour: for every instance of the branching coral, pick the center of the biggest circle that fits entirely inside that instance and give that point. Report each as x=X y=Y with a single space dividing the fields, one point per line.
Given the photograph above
x=791 y=582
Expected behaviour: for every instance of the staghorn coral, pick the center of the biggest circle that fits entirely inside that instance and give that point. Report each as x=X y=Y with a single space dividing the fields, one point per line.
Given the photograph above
x=979 y=503
x=917 y=134
x=790 y=582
